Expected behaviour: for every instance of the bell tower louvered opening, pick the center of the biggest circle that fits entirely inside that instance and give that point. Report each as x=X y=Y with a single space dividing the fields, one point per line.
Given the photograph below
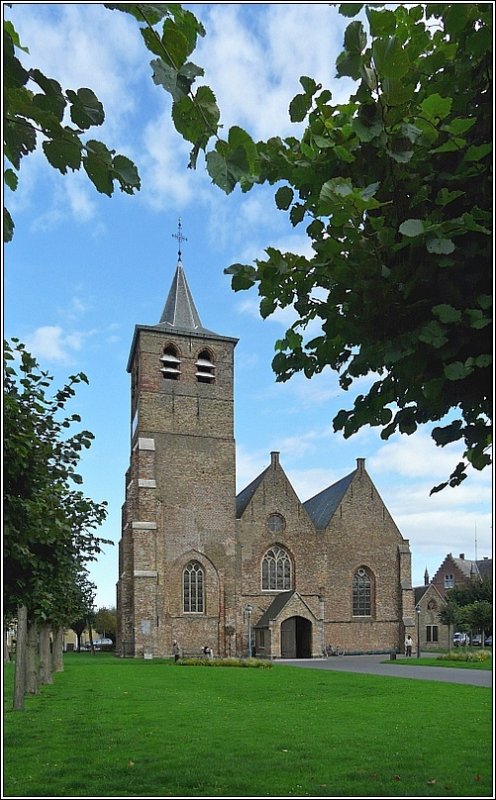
x=205 y=368
x=171 y=364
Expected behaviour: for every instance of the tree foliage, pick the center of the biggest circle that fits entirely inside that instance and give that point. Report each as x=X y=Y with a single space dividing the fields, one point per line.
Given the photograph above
x=394 y=190
x=472 y=591
x=48 y=524
x=35 y=107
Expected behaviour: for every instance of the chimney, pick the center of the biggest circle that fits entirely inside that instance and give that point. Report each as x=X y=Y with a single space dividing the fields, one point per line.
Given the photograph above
x=462 y=556
x=360 y=464
x=274 y=459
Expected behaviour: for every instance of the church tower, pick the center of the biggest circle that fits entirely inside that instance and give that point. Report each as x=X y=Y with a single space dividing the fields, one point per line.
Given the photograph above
x=177 y=549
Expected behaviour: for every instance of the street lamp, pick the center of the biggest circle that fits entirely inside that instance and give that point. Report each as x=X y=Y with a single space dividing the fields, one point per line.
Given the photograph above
x=248 y=610
x=417 y=609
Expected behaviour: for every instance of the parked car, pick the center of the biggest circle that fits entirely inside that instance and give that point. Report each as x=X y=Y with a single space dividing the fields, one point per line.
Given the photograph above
x=488 y=641
x=461 y=639
x=106 y=644
x=476 y=640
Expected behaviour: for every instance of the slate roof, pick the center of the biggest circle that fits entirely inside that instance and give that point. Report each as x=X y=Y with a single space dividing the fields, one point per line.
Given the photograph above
x=321 y=508
x=469 y=567
x=180 y=310
x=274 y=609
x=244 y=497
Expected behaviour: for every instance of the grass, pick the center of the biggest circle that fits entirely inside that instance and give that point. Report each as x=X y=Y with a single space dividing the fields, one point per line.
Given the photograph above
x=139 y=728
x=444 y=661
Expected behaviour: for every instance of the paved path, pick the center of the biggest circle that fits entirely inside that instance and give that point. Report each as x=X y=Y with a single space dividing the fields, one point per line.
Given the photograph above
x=373 y=665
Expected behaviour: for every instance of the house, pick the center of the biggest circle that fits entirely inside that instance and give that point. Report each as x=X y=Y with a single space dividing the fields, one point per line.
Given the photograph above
x=430 y=598
x=261 y=571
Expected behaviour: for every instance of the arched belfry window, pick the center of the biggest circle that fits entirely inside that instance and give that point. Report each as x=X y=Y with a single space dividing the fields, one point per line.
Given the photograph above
x=362 y=593
x=205 y=368
x=276 y=570
x=193 y=588
x=171 y=364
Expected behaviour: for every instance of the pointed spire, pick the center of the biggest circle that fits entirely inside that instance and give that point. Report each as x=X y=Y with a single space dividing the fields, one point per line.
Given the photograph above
x=180 y=310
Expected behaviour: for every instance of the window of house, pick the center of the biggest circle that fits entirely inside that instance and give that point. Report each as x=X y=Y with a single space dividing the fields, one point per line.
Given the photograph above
x=276 y=570
x=276 y=523
x=431 y=605
x=205 y=368
x=171 y=364
x=431 y=633
x=193 y=588
x=449 y=581
x=362 y=593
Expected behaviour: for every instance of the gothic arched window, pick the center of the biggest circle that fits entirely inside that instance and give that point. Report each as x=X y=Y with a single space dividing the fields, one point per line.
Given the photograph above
x=193 y=588
x=276 y=569
x=362 y=593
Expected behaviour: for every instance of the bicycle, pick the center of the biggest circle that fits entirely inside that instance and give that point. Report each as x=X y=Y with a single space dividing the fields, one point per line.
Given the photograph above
x=329 y=650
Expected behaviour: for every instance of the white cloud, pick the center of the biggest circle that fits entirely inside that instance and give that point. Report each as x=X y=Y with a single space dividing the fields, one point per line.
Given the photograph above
x=51 y=343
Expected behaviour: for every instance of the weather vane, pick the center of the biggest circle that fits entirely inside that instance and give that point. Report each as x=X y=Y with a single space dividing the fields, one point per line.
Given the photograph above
x=179 y=236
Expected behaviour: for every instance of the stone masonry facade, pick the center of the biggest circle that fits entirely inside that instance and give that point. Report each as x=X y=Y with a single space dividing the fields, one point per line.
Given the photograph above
x=260 y=572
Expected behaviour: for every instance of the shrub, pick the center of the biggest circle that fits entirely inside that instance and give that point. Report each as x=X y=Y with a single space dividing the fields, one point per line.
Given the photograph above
x=225 y=662
x=469 y=655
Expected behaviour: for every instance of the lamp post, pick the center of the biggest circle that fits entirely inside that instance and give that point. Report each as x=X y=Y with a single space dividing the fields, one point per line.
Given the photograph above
x=417 y=609
x=248 y=610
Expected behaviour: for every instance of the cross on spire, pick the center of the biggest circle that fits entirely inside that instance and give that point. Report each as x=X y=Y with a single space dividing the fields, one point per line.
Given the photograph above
x=179 y=236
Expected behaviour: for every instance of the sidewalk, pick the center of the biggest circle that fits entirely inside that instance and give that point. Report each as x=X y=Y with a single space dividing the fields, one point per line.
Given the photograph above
x=380 y=665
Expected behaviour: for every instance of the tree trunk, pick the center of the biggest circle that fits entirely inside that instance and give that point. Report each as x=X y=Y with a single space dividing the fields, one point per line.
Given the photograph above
x=45 y=674
x=90 y=631
x=58 y=649
x=32 y=659
x=6 y=648
x=20 y=659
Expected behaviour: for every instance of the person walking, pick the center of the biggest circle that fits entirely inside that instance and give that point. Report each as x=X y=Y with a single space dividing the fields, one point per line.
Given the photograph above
x=176 y=651
x=408 y=646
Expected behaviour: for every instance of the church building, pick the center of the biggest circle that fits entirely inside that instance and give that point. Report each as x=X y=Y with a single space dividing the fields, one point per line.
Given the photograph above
x=259 y=572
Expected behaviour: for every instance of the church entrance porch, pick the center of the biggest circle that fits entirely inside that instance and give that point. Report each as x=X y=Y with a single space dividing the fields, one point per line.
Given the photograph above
x=296 y=638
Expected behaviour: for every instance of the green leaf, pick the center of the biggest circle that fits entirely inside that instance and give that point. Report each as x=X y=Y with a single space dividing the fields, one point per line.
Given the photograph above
x=349 y=64
x=63 y=153
x=284 y=197
x=98 y=166
x=297 y=213
x=381 y=22
x=126 y=173
x=444 y=196
x=11 y=179
x=440 y=245
x=457 y=371
x=86 y=109
x=390 y=58
x=218 y=169
x=8 y=226
x=299 y=106
x=477 y=152
x=436 y=107
x=175 y=45
x=309 y=85
x=446 y=313
x=412 y=227
x=350 y=9
x=355 y=38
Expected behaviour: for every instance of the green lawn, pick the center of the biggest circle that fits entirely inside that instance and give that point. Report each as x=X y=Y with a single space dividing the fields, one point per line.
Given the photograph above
x=130 y=728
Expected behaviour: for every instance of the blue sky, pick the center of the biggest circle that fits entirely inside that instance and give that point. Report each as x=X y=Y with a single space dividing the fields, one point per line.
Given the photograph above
x=84 y=269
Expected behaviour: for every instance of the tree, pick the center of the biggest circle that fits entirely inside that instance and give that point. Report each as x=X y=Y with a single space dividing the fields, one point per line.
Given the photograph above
x=395 y=190
x=106 y=623
x=34 y=106
x=449 y=615
x=48 y=525
x=471 y=591
x=478 y=616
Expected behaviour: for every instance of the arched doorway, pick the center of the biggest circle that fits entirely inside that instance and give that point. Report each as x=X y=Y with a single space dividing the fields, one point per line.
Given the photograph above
x=296 y=638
